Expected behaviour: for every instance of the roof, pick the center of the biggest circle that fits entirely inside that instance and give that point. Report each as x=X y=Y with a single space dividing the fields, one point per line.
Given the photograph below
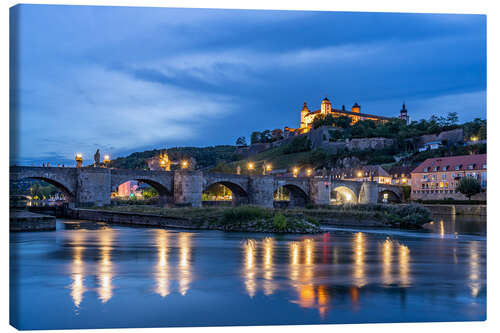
x=452 y=162
x=398 y=170
x=375 y=170
x=350 y=113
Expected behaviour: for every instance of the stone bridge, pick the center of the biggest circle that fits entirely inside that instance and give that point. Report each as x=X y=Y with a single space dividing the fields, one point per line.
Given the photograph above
x=93 y=186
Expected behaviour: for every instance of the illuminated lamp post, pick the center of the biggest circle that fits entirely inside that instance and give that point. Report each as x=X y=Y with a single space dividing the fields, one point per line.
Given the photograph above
x=360 y=174
x=79 y=160
x=251 y=166
x=295 y=172
x=106 y=161
x=184 y=164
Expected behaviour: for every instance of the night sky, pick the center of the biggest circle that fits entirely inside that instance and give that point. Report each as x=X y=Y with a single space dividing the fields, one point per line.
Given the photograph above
x=128 y=79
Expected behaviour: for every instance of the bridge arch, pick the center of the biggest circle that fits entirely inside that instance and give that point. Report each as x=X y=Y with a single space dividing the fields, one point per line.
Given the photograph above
x=239 y=194
x=165 y=196
x=61 y=186
x=296 y=195
x=388 y=196
x=343 y=194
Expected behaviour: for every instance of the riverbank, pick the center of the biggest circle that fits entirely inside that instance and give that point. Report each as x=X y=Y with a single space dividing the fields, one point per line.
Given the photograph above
x=256 y=219
x=446 y=209
x=22 y=220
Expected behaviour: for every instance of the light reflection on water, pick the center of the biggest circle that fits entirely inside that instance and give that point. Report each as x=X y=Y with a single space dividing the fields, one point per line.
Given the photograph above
x=105 y=270
x=162 y=267
x=78 y=268
x=336 y=271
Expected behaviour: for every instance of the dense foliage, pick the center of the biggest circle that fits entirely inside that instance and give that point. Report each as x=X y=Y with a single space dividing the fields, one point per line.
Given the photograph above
x=38 y=189
x=469 y=186
x=398 y=129
x=299 y=144
x=205 y=157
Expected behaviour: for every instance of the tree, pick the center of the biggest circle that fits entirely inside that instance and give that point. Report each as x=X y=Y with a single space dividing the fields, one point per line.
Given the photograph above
x=265 y=136
x=256 y=137
x=469 y=186
x=342 y=122
x=452 y=119
x=241 y=141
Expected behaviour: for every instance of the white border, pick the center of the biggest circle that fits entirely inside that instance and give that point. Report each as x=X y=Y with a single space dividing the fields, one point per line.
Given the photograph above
x=421 y=6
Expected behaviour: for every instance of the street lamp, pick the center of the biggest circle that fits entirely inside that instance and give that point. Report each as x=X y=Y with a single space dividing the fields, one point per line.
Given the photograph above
x=184 y=164
x=79 y=160
x=251 y=166
x=360 y=174
x=309 y=172
x=295 y=172
x=106 y=160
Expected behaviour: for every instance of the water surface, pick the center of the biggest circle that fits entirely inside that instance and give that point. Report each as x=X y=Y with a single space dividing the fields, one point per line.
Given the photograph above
x=94 y=275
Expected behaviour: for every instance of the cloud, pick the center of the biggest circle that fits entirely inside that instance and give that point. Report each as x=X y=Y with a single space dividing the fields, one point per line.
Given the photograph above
x=112 y=109
x=126 y=78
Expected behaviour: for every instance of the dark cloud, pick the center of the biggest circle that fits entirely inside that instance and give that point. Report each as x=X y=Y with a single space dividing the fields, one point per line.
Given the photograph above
x=127 y=79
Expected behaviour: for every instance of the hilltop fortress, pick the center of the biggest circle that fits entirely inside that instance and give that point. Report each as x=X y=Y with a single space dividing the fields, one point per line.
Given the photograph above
x=307 y=117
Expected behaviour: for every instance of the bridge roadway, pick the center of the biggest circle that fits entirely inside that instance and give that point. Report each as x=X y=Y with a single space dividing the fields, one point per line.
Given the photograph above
x=93 y=186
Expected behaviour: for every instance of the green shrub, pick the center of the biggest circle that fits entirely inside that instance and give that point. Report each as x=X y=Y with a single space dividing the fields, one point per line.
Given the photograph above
x=279 y=221
x=298 y=145
x=243 y=214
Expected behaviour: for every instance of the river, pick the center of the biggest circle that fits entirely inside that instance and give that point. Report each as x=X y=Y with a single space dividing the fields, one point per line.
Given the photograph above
x=94 y=275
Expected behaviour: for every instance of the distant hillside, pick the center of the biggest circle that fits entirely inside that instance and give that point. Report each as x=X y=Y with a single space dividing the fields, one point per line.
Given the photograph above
x=288 y=156
x=206 y=157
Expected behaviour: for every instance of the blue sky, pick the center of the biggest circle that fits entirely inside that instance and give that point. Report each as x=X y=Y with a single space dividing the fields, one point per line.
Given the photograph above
x=127 y=79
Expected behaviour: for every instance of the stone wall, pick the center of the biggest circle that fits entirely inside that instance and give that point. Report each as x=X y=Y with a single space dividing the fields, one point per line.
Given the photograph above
x=476 y=210
x=93 y=187
x=130 y=218
x=188 y=188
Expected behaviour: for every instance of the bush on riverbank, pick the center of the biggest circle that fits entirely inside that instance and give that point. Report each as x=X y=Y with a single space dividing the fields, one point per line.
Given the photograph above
x=257 y=219
x=410 y=216
x=253 y=217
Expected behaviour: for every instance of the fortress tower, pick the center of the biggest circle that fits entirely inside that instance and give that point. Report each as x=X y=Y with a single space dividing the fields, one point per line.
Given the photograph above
x=326 y=106
x=303 y=113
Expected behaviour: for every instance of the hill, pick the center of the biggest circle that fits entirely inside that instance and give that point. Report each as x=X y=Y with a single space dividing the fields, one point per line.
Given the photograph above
x=206 y=157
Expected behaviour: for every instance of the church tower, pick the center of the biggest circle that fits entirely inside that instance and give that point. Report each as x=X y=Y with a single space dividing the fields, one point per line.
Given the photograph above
x=303 y=113
x=403 y=114
x=326 y=106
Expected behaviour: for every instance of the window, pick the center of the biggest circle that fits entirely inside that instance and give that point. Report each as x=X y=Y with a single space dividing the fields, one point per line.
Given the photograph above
x=443 y=176
x=436 y=168
x=426 y=169
x=444 y=168
x=458 y=167
x=484 y=166
x=471 y=167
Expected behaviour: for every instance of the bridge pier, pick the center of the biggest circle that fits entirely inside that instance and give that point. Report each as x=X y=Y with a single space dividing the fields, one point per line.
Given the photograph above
x=368 y=193
x=188 y=187
x=261 y=191
x=93 y=187
x=320 y=192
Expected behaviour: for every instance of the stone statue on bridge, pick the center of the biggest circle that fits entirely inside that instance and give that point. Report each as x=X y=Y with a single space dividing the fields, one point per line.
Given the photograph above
x=97 y=158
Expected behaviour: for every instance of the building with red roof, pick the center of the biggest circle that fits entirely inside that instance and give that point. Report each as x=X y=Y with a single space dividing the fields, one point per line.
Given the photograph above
x=437 y=178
